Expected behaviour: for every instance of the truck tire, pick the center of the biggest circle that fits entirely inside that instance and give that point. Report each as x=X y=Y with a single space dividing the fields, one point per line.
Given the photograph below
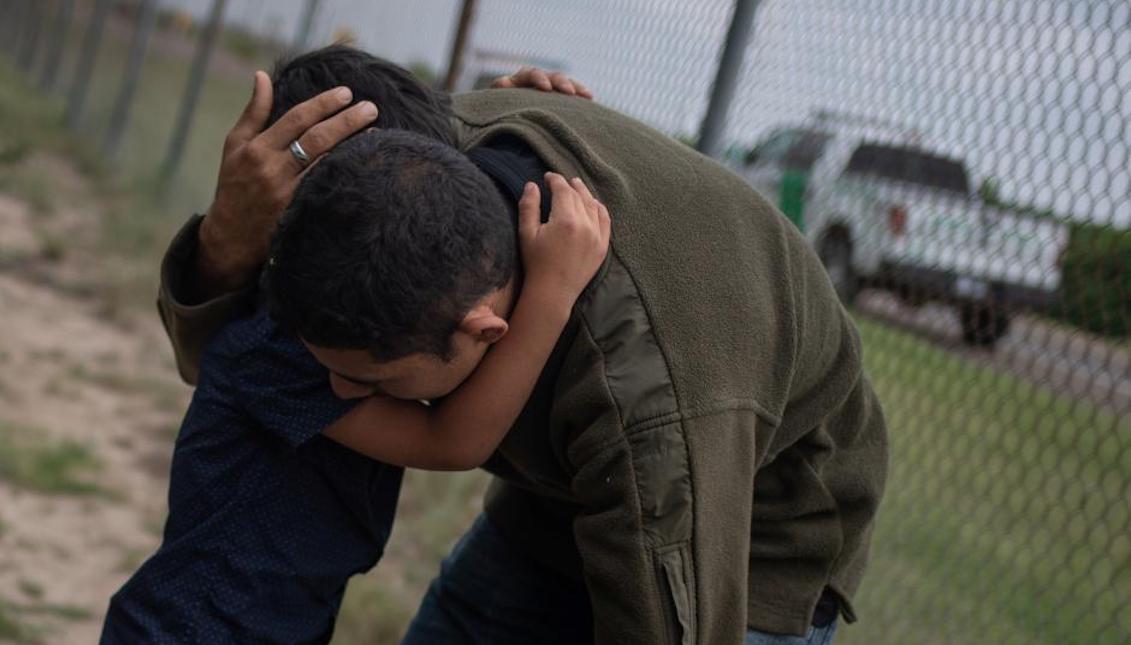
x=983 y=324
x=835 y=252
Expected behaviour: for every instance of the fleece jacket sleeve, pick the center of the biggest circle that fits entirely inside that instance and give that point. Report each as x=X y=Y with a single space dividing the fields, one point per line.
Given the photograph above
x=663 y=530
x=620 y=566
x=190 y=323
x=663 y=547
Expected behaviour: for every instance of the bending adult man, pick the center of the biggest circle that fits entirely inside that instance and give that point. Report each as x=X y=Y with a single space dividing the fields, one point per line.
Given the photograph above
x=703 y=452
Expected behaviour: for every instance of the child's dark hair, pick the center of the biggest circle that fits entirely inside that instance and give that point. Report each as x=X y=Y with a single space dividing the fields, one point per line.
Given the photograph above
x=390 y=240
x=403 y=101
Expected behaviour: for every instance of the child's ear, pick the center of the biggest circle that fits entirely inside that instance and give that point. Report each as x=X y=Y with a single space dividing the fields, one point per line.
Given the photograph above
x=484 y=325
x=492 y=335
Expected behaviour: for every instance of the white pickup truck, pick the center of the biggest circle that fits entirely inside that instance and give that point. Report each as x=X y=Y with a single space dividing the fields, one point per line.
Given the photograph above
x=892 y=215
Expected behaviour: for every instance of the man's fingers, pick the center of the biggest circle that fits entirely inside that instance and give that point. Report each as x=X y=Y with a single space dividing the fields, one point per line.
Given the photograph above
x=304 y=116
x=562 y=83
x=582 y=91
x=255 y=113
x=321 y=138
x=545 y=81
x=529 y=213
x=533 y=77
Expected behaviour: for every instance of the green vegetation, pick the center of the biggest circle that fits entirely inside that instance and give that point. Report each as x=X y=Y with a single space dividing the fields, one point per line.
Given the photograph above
x=1096 y=288
x=24 y=130
x=376 y=609
x=166 y=395
x=1097 y=280
x=425 y=73
x=11 y=629
x=66 y=612
x=52 y=247
x=435 y=509
x=249 y=47
x=31 y=589
x=1005 y=509
x=28 y=460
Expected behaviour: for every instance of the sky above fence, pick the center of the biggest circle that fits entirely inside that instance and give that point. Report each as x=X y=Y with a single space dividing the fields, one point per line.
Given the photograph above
x=1034 y=93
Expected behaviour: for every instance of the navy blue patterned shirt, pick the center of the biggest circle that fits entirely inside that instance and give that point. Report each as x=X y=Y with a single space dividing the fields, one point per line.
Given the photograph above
x=267 y=518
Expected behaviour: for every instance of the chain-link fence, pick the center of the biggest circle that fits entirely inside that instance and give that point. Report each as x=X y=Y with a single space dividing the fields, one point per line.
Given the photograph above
x=963 y=170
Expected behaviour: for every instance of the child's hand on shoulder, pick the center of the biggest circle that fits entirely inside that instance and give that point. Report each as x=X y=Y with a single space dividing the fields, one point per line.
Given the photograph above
x=561 y=256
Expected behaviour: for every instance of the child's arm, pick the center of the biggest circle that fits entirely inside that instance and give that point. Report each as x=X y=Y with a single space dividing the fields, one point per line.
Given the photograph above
x=461 y=432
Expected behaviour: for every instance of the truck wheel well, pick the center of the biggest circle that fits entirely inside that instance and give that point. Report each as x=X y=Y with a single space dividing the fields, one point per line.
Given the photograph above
x=838 y=232
x=835 y=252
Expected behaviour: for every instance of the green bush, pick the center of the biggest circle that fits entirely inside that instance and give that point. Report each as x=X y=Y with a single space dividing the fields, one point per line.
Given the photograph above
x=1096 y=288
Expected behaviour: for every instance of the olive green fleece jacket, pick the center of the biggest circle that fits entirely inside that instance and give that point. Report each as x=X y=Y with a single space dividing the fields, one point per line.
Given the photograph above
x=703 y=446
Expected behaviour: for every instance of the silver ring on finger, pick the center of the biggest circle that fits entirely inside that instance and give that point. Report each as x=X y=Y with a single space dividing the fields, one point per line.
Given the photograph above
x=299 y=153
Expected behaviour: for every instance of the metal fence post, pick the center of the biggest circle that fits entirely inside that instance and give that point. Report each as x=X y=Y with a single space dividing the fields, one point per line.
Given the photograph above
x=305 y=26
x=459 y=44
x=146 y=20
x=14 y=13
x=192 y=93
x=90 y=44
x=56 y=44
x=29 y=41
x=726 y=78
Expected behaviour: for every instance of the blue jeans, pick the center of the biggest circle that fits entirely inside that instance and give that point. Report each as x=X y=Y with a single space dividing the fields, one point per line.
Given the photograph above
x=491 y=592
x=816 y=636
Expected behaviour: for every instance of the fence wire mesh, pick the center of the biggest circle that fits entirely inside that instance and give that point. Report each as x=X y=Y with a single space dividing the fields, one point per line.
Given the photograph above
x=962 y=167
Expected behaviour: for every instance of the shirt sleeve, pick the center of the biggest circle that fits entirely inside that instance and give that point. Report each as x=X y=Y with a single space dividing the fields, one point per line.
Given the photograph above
x=190 y=323
x=282 y=387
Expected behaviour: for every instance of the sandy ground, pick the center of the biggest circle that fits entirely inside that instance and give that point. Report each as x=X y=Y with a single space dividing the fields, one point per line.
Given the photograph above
x=70 y=373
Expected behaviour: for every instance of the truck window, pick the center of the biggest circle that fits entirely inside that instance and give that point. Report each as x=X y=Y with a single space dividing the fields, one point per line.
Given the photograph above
x=773 y=149
x=910 y=166
x=805 y=151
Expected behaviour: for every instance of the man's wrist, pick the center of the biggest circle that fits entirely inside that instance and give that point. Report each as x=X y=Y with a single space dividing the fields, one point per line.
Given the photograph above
x=219 y=267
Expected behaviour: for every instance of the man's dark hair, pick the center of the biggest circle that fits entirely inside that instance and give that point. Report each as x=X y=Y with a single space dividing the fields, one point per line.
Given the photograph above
x=402 y=100
x=390 y=240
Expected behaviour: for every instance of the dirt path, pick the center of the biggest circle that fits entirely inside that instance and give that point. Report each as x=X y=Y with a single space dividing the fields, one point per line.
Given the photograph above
x=88 y=409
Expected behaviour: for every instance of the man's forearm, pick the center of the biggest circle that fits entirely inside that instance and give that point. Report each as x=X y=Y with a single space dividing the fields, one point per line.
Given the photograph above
x=190 y=317
x=219 y=269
